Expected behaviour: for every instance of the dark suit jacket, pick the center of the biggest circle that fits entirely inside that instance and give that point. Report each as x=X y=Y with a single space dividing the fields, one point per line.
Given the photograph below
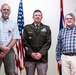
x=36 y=41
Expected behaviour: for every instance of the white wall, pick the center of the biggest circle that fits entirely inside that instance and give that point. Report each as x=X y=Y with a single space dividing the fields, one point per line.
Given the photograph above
x=51 y=16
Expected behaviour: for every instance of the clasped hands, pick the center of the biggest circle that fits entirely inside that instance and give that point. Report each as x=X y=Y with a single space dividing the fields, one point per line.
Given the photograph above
x=36 y=56
x=4 y=51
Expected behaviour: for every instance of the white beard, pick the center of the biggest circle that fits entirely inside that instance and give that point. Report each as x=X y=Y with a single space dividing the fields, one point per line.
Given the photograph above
x=6 y=15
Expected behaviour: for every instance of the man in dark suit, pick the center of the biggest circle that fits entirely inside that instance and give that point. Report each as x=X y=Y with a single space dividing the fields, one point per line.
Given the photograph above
x=36 y=40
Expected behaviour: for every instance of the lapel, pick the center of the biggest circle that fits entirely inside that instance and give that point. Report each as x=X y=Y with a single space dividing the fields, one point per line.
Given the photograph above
x=40 y=28
x=33 y=27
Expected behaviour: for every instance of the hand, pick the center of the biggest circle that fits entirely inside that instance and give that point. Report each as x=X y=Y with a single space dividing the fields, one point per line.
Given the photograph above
x=2 y=54
x=38 y=56
x=59 y=62
x=33 y=55
x=5 y=49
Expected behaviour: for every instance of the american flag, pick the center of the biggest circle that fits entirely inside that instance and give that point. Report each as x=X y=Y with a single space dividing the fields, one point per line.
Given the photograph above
x=19 y=52
x=60 y=27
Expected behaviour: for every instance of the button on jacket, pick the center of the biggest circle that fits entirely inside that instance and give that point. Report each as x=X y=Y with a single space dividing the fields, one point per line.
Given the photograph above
x=36 y=41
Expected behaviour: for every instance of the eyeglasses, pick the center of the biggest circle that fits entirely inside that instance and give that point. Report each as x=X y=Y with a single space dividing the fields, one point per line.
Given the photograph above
x=69 y=18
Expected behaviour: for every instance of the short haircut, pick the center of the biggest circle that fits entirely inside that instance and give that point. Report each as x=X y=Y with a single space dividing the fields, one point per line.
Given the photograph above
x=71 y=14
x=37 y=11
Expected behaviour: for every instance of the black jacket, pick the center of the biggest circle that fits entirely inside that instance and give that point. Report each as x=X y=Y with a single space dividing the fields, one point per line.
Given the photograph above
x=36 y=41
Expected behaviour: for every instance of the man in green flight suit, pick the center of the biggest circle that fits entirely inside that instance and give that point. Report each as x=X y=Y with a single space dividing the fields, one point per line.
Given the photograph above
x=36 y=40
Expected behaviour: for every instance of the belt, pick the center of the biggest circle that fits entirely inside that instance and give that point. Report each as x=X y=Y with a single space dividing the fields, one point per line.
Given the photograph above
x=70 y=54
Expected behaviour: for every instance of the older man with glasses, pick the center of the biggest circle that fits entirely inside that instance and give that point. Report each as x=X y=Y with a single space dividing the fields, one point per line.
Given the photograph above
x=66 y=46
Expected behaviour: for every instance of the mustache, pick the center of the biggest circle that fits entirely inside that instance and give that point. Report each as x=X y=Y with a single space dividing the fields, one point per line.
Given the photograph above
x=5 y=14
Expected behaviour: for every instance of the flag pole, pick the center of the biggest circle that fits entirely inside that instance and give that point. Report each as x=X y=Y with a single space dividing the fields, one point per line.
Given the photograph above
x=60 y=27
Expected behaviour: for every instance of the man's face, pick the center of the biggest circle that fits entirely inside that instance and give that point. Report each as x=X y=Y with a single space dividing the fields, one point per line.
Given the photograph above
x=5 y=10
x=37 y=16
x=69 y=21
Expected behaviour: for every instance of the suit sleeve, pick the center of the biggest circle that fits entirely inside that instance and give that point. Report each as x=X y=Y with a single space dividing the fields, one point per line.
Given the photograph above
x=27 y=47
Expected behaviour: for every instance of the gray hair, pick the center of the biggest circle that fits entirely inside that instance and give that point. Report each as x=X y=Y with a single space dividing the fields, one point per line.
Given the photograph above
x=70 y=14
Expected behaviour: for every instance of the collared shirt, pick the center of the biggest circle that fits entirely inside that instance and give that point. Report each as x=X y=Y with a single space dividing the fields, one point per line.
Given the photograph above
x=8 y=31
x=66 y=42
x=37 y=26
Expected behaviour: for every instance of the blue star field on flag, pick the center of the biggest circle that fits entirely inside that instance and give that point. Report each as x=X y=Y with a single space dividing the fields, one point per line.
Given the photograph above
x=20 y=19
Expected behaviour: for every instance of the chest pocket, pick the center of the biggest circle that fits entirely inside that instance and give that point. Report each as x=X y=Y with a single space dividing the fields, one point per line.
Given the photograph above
x=43 y=34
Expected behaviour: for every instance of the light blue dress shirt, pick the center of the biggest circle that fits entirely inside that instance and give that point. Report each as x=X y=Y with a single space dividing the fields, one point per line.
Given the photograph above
x=8 y=31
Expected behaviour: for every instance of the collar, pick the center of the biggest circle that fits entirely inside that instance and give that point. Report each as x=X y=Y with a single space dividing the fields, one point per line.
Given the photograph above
x=70 y=28
x=4 y=20
x=37 y=24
